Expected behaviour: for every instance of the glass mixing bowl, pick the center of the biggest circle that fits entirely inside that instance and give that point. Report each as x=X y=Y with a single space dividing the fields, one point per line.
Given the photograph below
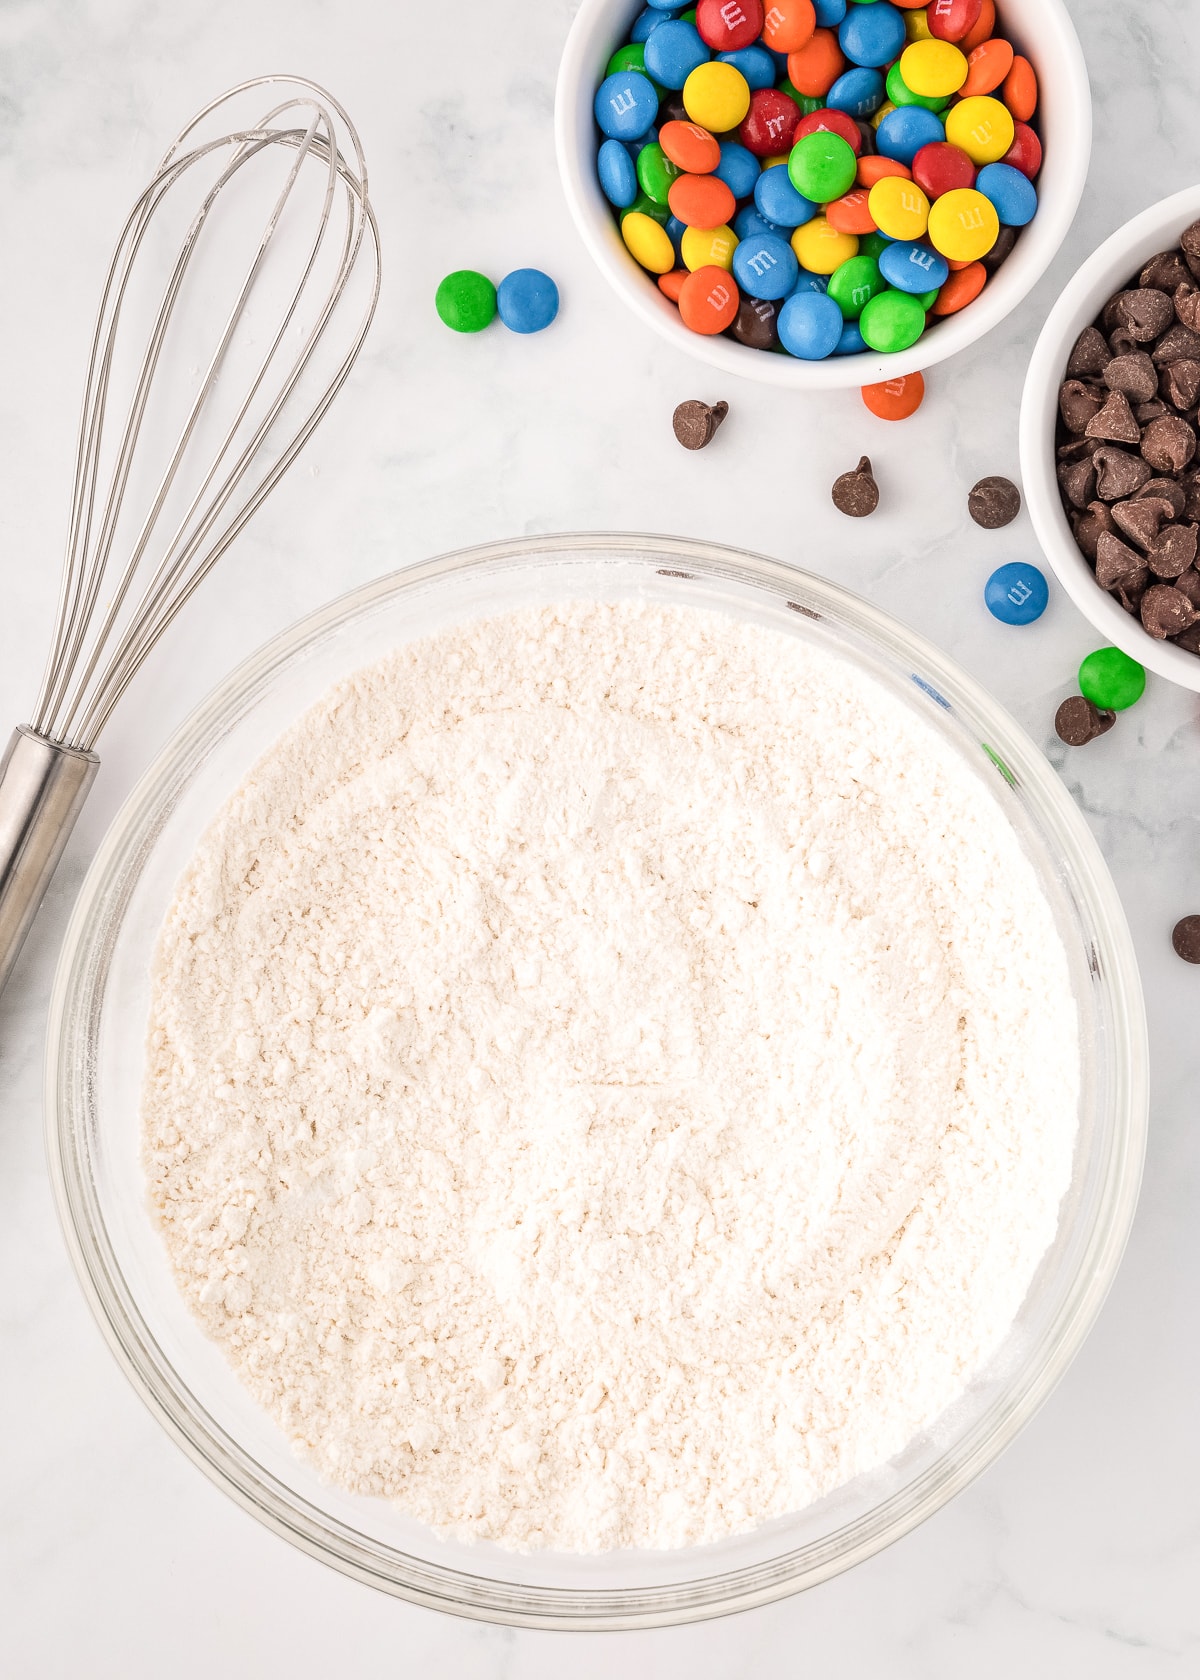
x=98 y=1018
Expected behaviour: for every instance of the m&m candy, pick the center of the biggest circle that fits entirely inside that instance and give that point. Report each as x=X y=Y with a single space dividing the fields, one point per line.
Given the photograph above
x=466 y=301
x=895 y=399
x=852 y=170
x=527 y=300
x=1016 y=593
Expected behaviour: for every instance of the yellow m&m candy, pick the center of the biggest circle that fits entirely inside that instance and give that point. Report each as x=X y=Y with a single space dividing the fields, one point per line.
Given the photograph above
x=717 y=96
x=934 y=69
x=884 y=110
x=820 y=249
x=916 y=25
x=899 y=208
x=648 y=242
x=707 y=247
x=963 y=225
x=981 y=127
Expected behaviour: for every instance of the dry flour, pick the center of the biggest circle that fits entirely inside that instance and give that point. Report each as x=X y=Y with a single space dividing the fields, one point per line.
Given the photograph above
x=612 y=1077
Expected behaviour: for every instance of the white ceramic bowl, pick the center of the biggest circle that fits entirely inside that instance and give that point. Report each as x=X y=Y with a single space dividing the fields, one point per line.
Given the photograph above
x=1106 y=271
x=1041 y=29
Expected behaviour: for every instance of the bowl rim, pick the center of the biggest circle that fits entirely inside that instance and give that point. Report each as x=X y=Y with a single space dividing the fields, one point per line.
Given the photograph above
x=1077 y=305
x=593 y=222
x=71 y=1061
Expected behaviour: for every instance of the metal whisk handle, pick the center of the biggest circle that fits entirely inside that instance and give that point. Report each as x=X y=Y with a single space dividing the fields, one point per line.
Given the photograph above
x=42 y=789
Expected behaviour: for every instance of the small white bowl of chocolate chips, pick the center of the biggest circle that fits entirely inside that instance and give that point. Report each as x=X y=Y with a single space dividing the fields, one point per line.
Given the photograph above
x=1110 y=438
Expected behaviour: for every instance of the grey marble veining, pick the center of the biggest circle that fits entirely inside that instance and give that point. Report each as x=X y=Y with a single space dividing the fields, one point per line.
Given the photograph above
x=1078 y=1553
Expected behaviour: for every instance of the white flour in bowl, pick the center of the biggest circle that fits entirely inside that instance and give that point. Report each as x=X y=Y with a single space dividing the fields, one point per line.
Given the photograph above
x=612 y=1077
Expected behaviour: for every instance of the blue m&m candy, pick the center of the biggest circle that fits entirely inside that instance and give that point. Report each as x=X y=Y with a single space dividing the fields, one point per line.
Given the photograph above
x=765 y=267
x=755 y=63
x=810 y=326
x=851 y=341
x=776 y=199
x=738 y=168
x=829 y=13
x=811 y=283
x=905 y=130
x=618 y=176
x=626 y=105
x=526 y=300
x=913 y=268
x=873 y=34
x=673 y=51
x=646 y=23
x=748 y=224
x=1016 y=593
x=1013 y=196
x=858 y=92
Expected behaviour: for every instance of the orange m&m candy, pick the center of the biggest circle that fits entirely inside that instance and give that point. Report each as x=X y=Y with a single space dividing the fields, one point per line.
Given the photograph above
x=702 y=201
x=813 y=70
x=672 y=284
x=987 y=66
x=788 y=24
x=875 y=167
x=690 y=147
x=850 y=213
x=708 y=300
x=1020 y=90
x=962 y=288
x=895 y=399
x=982 y=29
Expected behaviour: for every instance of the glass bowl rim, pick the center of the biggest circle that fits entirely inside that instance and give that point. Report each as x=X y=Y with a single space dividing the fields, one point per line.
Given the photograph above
x=74 y=1015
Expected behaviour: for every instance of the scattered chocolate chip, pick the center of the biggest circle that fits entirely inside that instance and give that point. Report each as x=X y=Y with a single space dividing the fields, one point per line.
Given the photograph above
x=1001 y=250
x=1179 y=382
x=1077 y=722
x=1185 y=937
x=1187 y=306
x=1178 y=343
x=1166 y=611
x=856 y=493
x=695 y=423
x=1167 y=490
x=1119 y=474
x=1117 y=566
x=1144 y=313
x=1134 y=374
x=1168 y=444
x=1089 y=355
x=1114 y=421
x=1141 y=518
x=754 y=323
x=1091 y=525
x=994 y=502
x=1078 y=404
x=1165 y=271
x=1172 y=551
x=1077 y=480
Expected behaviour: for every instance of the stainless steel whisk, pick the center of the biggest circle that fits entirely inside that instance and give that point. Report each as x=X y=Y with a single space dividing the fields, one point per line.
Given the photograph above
x=141 y=537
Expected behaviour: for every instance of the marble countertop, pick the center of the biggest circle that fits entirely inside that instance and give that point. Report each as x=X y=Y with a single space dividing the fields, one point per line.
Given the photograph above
x=1072 y=1555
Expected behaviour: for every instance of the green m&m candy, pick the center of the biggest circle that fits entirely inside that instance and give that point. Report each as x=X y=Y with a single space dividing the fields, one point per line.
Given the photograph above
x=822 y=166
x=899 y=92
x=1111 y=680
x=466 y=300
x=643 y=205
x=892 y=321
x=854 y=283
x=872 y=244
x=655 y=172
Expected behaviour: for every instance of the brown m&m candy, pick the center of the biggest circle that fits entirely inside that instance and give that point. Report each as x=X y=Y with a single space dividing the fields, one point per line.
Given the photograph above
x=856 y=493
x=1185 y=937
x=1077 y=721
x=994 y=502
x=695 y=423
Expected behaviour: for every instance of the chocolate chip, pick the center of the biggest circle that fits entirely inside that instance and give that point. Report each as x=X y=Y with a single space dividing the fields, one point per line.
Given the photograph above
x=1119 y=474
x=1191 y=497
x=1109 y=315
x=1121 y=342
x=1078 y=404
x=856 y=493
x=1188 y=583
x=1189 y=639
x=994 y=502
x=1077 y=480
x=1177 y=344
x=1189 y=242
x=754 y=323
x=1187 y=306
x=1141 y=518
x=1001 y=250
x=1134 y=374
x=1114 y=421
x=1091 y=525
x=1172 y=551
x=1117 y=566
x=1167 y=490
x=1147 y=411
x=1185 y=937
x=1089 y=355
x=1077 y=447
x=1165 y=611
x=1168 y=444
x=1144 y=313
x=1077 y=722
x=695 y=423
x=1165 y=271
x=1179 y=382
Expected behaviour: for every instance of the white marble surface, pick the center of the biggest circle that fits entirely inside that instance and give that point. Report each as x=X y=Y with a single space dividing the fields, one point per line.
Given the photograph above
x=1077 y=1554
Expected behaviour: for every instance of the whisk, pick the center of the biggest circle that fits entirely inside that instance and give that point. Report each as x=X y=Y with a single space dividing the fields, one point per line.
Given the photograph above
x=216 y=371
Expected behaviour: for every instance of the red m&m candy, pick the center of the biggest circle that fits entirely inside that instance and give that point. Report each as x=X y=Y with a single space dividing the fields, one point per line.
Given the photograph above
x=1025 y=153
x=950 y=20
x=728 y=25
x=770 y=124
x=826 y=121
x=940 y=167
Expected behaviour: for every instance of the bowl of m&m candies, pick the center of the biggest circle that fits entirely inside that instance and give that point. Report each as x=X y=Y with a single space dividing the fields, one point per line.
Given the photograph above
x=817 y=193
